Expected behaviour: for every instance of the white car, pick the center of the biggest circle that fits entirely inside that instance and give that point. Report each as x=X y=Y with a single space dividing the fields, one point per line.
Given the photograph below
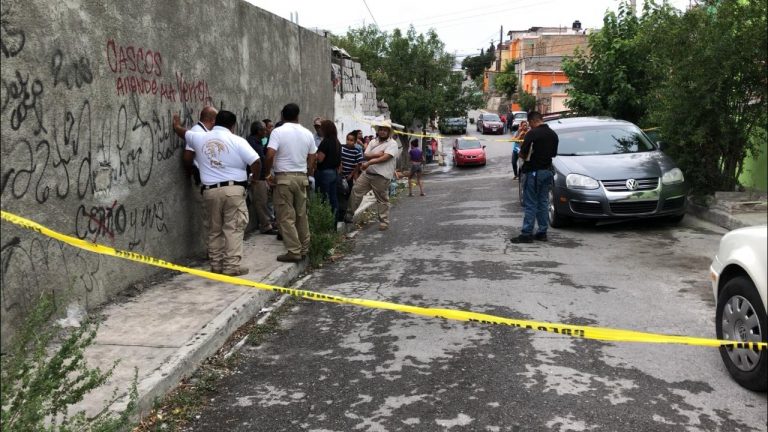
x=739 y=273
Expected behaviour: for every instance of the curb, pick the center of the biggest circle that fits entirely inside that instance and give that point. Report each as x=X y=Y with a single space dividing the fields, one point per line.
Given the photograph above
x=715 y=216
x=208 y=340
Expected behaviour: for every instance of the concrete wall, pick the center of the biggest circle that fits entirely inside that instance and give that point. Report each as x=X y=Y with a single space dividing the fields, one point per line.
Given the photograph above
x=354 y=98
x=88 y=91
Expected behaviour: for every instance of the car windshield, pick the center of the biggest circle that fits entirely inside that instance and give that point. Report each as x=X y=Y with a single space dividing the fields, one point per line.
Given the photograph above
x=491 y=117
x=455 y=121
x=603 y=141
x=521 y=116
x=468 y=144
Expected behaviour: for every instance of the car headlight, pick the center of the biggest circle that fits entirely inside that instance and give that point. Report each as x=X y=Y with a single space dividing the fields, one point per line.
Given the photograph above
x=673 y=176
x=578 y=181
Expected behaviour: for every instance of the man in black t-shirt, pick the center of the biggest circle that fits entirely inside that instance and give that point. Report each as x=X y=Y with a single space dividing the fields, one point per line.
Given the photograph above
x=539 y=147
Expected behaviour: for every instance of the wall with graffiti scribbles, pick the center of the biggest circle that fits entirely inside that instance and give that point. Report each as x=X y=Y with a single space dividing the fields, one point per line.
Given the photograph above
x=87 y=93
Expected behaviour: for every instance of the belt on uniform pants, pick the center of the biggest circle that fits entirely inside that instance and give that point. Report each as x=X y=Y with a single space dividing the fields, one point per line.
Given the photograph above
x=225 y=183
x=291 y=173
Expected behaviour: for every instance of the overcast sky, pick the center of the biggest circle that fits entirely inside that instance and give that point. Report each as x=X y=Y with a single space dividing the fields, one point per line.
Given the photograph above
x=464 y=26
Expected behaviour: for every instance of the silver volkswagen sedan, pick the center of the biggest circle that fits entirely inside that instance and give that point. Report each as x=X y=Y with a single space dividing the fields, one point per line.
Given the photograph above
x=609 y=169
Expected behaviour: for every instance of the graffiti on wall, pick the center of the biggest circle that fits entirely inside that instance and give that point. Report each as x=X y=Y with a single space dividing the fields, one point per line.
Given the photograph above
x=85 y=158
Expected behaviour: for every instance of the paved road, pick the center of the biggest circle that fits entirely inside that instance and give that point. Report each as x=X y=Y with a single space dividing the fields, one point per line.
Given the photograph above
x=343 y=368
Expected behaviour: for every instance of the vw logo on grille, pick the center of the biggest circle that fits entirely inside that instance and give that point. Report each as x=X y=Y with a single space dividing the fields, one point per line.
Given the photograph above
x=631 y=184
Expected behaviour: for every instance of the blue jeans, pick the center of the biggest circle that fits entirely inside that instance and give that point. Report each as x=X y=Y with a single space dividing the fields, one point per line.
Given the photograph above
x=536 y=201
x=326 y=183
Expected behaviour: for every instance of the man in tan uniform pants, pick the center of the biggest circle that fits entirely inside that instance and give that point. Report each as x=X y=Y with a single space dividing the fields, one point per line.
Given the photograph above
x=378 y=169
x=222 y=157
x=291 y=153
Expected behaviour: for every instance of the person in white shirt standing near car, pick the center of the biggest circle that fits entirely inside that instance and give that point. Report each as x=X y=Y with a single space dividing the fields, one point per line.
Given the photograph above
x=291 y=154
x=378 y=170
x=222 y=157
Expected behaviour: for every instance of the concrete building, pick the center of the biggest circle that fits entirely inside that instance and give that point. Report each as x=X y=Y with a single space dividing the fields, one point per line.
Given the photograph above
x=538 y=54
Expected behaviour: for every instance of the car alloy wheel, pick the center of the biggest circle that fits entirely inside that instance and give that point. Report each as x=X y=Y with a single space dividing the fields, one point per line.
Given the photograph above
x=741 y=317
x=556 y=220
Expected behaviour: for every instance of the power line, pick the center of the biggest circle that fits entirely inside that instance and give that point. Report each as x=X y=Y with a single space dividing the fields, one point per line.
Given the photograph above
x=369 y=11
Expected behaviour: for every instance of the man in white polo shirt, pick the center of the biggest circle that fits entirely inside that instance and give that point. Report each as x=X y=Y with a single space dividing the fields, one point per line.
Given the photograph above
x=206 y=122
x=291 y=152
x=222 y=157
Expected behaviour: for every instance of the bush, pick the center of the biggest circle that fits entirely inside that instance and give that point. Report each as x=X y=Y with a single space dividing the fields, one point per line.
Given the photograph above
x=39 y=385
x=322 y=228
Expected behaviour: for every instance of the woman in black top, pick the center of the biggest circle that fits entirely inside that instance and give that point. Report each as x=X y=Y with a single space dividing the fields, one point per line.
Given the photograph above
x=328 y=164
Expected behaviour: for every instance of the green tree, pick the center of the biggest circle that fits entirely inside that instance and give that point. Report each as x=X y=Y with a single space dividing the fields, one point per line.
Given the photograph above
x=476 y=65
x=506 y=81
x=616 y=76
x=412 y=72
x=526 y=100
x=713 y=98
x=460 y=96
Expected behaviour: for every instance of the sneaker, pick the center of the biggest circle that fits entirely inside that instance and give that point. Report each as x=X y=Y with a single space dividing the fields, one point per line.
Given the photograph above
x=410 y=194
x=239 y=271
x=383 y=227
x=289 y=257
x=522 y=238
x=422 y=194
x=540 y=236
x=279 y=237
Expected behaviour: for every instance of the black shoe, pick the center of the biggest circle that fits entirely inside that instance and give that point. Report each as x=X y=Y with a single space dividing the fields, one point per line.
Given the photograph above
x=289 y=257
x=271 y=231
x=521 y=239
x=540 y=237
x=279 y=236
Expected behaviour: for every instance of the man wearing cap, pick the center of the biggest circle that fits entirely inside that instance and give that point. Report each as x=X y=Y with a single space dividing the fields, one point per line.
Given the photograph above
x=291 y=153
x=222 y=157
x=378 y=170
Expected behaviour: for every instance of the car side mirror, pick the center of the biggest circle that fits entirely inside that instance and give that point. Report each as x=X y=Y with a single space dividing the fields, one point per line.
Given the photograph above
x=483 y=146
x=662 y=145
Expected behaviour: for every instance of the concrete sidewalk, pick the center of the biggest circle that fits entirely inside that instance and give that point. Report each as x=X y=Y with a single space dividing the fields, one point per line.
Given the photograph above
x=170 y=328
x=733 y=210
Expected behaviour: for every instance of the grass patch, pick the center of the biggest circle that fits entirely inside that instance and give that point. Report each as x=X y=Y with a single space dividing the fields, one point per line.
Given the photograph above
x=322 y=229
x=45 y=372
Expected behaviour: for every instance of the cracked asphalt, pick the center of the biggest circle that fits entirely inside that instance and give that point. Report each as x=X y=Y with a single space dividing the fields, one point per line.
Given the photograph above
x=345 y=368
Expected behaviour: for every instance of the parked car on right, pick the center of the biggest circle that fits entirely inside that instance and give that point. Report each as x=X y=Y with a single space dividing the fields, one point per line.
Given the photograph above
x=738 y=274
x=608 y=169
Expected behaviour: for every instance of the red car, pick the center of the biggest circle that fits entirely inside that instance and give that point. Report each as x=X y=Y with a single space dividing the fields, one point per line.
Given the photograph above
x=468 y=151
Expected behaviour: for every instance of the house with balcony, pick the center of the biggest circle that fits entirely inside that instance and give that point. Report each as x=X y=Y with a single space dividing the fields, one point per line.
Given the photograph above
x=538 y=55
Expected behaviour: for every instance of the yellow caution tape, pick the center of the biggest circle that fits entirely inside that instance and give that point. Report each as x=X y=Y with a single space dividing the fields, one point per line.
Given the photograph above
x=578 y=331
x=397 y=132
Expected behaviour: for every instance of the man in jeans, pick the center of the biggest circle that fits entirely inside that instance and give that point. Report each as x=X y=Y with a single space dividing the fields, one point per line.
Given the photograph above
x=539 y=147
x=291 y=152
x=222 y=157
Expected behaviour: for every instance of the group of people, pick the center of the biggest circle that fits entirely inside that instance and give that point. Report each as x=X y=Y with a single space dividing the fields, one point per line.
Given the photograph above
x=280 y=164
